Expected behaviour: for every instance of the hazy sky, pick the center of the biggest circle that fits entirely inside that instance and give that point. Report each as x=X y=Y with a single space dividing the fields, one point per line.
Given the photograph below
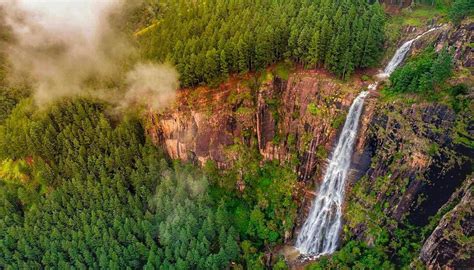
x=76 y=15
x=67 y=47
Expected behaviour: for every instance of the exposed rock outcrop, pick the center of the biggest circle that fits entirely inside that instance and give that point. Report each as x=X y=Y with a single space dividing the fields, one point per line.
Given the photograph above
x=409 y=155
x=409 y=158
x=413 y=152
x=289 y=119
x=457 y=38
x=452 y=242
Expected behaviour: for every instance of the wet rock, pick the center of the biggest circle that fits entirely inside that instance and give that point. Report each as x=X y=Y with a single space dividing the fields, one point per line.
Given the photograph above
x=451 y=244
x=457 y=38
x=412 y=156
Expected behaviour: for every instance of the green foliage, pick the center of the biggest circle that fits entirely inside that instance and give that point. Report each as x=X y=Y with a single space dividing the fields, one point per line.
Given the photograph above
x=206 y=40
x=355 y=255
x=313 y=109
x=398 y=247
x=282 y=70
x=338 y=121
x=273 y=106
x=9 y=97
x=269 y=191
x=406 y=244
x=461 y=9
x=252 y=257
x=110 y=199
x=461 y=132
x=395 y=247
x=458 y=97
x=94 y=193
x=15 y=171
x=73 y=138
x=433 y=149
x=423 y=73
x=321 y=152
x=280 y=264
x=264 y=209
x=417 y=15
x=7 y=103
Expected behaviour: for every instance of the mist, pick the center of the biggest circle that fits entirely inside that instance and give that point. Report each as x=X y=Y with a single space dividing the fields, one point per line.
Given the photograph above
x=69 y=48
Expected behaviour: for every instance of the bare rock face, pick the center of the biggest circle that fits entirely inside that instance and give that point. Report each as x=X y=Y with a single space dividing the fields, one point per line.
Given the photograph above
x=409 y=161
x=305 y=124
x=407 y=155
x=399 y=138
x=288 y=120
x=413 y=155
x=203 y=124
x=451 y=244
x=457 y=38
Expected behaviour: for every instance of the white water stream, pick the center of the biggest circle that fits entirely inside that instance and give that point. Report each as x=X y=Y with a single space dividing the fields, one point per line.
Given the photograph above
x=320 y=232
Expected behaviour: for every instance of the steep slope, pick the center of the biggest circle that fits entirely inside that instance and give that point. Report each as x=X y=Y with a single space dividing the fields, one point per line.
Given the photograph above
x=416 y=163
x=294 y=118
x=452 y=242
x=411 y=156
x=421 y=153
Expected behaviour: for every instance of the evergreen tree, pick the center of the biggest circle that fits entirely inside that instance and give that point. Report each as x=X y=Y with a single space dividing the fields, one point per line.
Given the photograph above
x=249 y=35
x=314 y=51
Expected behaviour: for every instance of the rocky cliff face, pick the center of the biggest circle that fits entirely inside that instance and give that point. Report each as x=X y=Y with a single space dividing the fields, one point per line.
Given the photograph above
x=419 y=156
x=297 y=117
x=452 y=242
x=409 y=158
x=457 y=38
x=288 y=120
x=417 y=162
x=460 y=39
x=414 y=155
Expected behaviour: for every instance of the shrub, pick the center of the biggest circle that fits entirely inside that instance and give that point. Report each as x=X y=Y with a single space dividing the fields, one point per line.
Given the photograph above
x=423 y=73
x=313 y=109
x=460 y=10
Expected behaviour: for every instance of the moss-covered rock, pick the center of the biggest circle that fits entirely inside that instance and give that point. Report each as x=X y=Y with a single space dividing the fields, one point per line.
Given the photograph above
x=451 y=244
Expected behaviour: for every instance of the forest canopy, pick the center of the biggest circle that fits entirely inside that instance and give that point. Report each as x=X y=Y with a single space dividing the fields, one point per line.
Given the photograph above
x=82 y=189
x=82 y=185
x=207 y=40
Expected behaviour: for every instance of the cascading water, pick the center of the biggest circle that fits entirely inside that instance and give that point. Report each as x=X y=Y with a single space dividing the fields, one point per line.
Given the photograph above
x=320 y=232
x=401 y=53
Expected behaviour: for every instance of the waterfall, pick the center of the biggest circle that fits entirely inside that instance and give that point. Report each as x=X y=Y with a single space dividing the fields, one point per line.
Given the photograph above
x=320 y=232
x=401 y=53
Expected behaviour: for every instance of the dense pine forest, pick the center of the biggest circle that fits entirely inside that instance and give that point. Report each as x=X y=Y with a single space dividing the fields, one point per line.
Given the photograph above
x=83 y=184
x=84 y=190
x=209 y=40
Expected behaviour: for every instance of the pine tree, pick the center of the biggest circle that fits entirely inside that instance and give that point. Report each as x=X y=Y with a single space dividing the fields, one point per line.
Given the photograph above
x=325 y=38
x=304 y=41
x=242 y=56
x=231 y=248
x=211 y=65
x=313 y=55
x=224 y=68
